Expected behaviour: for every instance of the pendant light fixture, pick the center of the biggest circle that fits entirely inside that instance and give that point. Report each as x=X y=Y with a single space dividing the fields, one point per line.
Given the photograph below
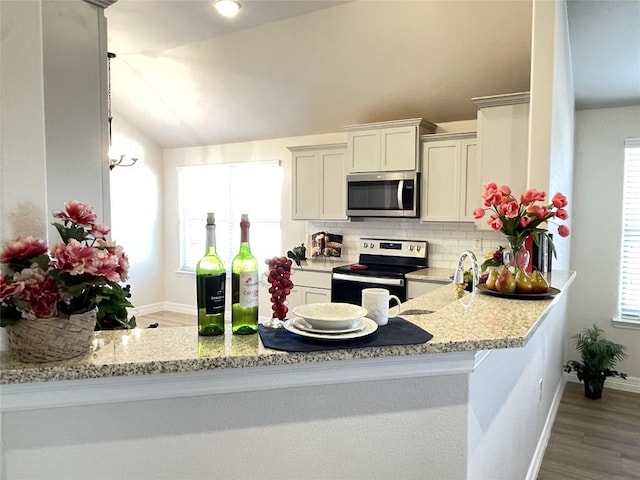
x=227 y=8
x=116 y=159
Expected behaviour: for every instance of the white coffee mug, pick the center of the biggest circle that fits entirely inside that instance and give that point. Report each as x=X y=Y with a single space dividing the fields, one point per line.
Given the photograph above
x=376 y=301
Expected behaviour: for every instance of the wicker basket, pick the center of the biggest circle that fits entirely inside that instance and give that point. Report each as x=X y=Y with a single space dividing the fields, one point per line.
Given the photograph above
x=51 y=339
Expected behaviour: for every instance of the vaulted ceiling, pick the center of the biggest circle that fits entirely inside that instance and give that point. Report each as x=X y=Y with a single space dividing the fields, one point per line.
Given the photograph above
x=186 y=76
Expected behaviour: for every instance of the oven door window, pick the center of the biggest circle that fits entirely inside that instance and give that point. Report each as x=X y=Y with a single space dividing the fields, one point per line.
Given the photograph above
x=375 y=195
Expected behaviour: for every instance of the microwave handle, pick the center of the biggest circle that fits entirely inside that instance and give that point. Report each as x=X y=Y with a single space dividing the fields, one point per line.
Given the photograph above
x=400 y=190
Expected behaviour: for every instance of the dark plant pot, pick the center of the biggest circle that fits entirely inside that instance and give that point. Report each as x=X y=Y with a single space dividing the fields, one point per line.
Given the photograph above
x=592 y=391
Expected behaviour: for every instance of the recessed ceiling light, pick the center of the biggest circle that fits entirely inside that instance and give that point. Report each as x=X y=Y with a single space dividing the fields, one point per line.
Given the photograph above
x=227 y=8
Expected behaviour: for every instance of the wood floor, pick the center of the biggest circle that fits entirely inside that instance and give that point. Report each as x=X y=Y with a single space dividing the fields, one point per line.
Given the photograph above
x=590 y=439
x=166 y=319
x=594 y=439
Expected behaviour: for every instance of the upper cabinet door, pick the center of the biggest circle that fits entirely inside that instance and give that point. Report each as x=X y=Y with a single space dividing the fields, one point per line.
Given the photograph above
x=333 y=201
x=319 y=182
x=386 y=146
x=398 y=148
x=441 y=181
x=306 y=186
x=364 y=151
x=503 y=142
x=471 y=185
x=450 y=178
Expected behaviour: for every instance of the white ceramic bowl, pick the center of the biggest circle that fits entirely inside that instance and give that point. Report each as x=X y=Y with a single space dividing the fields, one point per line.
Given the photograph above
x=330 y=316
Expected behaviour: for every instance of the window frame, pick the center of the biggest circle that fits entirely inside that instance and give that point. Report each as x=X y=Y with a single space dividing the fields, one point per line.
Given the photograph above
x=226 y=220
x=629 y=231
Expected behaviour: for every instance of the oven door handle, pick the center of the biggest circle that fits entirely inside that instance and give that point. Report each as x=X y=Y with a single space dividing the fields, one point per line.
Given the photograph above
x=375 y=280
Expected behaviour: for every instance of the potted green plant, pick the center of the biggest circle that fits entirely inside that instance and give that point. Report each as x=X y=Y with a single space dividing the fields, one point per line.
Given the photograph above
x=599 y=358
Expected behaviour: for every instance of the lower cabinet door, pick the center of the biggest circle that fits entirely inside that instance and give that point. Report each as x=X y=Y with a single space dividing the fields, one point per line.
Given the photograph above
x=294 y=299
x=304 y=295
x=315 y=295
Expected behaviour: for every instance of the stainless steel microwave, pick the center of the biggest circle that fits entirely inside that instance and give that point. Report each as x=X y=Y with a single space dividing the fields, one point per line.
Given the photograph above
x=383 y=194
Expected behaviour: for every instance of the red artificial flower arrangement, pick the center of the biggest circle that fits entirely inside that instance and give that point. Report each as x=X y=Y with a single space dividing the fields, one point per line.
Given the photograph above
x=78 y=274
x=520 y=219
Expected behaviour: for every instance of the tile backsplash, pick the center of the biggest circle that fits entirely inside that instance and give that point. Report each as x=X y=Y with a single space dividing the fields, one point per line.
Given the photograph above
x=446 y=240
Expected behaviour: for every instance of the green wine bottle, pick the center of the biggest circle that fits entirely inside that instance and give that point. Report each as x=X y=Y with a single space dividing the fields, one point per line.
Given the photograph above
x=210 y=286
x=244 y=285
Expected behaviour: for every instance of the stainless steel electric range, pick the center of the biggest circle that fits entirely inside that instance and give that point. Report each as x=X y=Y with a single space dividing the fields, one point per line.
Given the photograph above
x=382 y=263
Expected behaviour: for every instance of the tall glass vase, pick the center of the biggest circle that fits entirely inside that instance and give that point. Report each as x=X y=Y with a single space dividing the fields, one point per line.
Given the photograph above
x=516 y=256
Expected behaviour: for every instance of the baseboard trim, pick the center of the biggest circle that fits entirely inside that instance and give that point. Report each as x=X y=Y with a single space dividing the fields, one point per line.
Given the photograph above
x=543 y=441
x=163 y=307
x=146 y=309
x=180 y=308
x=630 y=384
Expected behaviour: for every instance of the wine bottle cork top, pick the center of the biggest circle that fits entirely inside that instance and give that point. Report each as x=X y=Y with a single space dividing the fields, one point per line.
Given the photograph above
x=211 y=218
x=245 y=217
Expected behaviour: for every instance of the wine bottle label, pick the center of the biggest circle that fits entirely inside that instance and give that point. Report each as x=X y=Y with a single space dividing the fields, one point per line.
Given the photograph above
x=248 y=289
x=211 y=294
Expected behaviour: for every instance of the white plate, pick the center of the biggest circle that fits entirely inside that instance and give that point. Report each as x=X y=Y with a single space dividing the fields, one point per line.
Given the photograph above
x=355 y=326
x=369 y=327
x=330 y=316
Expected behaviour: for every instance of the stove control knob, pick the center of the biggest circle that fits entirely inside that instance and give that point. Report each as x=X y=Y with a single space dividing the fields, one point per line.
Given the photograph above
x=364 y=245
x=371 y=245
x=411 y=248
x=418 y=248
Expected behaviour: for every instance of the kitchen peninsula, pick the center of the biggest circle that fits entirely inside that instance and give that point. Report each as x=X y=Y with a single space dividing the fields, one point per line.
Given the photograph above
x=474 y=402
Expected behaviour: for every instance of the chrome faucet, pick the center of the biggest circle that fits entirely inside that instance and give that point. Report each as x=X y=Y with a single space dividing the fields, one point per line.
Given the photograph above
x=459 y=275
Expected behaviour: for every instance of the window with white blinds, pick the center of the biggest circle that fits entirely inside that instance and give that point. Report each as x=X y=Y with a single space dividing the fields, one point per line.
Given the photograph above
x=229 y=190
x=629 y=301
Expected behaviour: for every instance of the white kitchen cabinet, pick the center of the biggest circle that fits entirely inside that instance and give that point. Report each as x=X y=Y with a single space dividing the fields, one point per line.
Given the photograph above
x=451 y=183
x=415 y=288
x=304 y=295
x=503 y=142
x=386 y=146
x=319 y=182
x=309 y=287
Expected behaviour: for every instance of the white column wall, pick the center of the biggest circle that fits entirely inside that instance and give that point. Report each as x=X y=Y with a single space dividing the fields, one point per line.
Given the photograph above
x=53 y=134
x=74 y=68
x=23 y=195
x=551 y=125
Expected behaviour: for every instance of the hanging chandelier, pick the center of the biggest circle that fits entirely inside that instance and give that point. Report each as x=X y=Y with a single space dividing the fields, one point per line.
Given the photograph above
x=116 y=159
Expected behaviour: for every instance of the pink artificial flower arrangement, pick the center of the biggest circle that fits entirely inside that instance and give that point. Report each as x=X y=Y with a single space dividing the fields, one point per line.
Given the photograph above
x=75 y=276
x=520 y=219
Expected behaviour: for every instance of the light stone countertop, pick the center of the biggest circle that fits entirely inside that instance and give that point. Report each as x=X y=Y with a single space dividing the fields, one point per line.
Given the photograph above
x=475 y=322
x=431 y=275
x=323 y=264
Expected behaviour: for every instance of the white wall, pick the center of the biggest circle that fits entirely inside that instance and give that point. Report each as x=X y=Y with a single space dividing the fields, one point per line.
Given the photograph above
x=597 y=225
x=137 y=206
x=409 y=428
